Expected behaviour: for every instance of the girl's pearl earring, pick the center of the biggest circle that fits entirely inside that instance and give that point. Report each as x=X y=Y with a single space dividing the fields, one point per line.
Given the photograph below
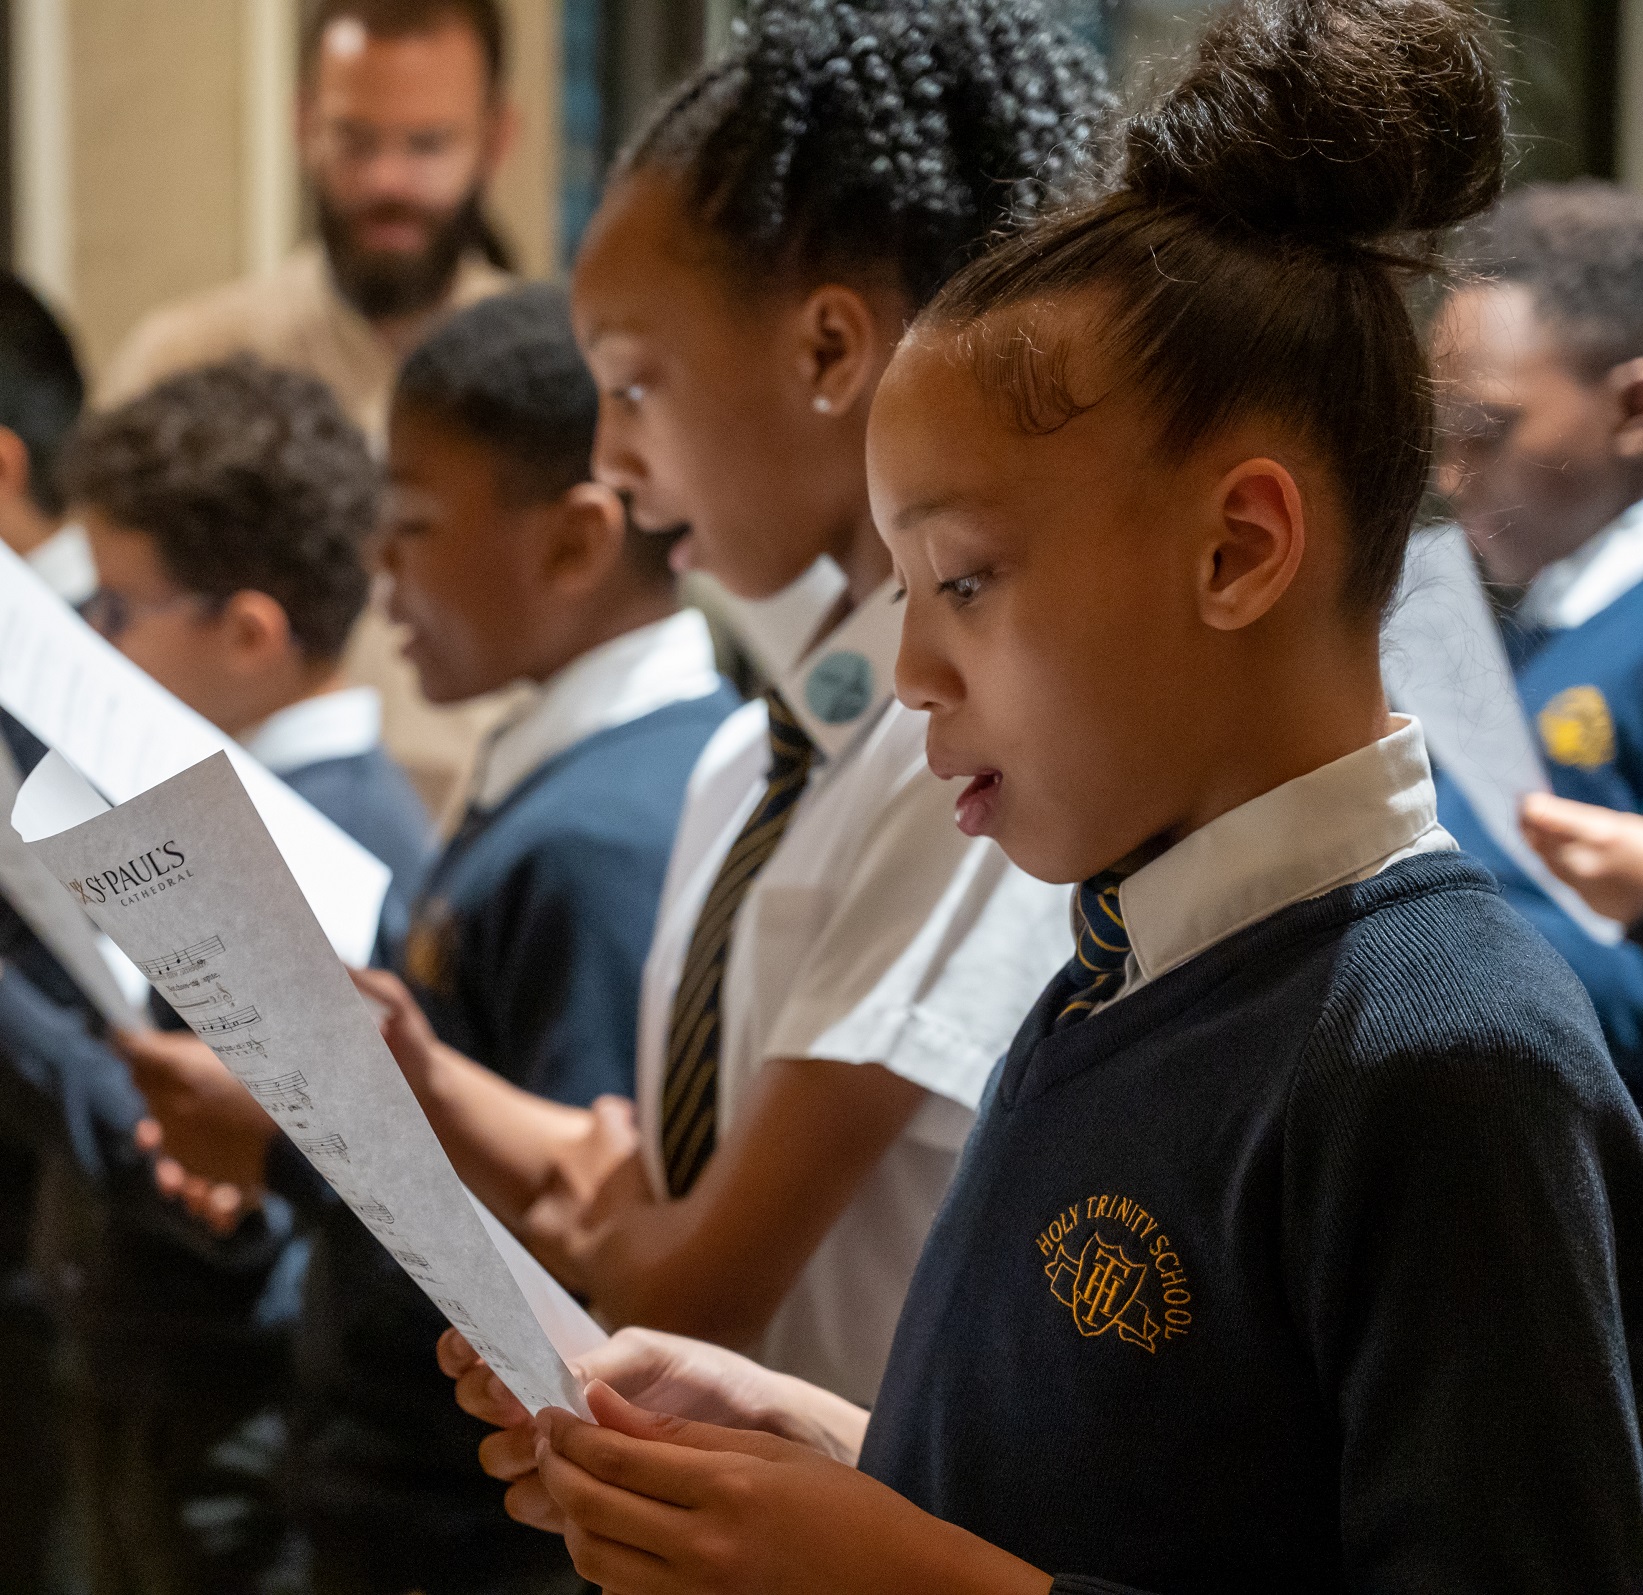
x=821 y=404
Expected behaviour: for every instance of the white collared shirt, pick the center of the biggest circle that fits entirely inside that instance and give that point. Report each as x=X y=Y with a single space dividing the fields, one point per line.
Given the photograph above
x=1570 y=591
x=876 y=933
x=669 y=661
x=1345 y=822
x=333 y=725
x=64 y=563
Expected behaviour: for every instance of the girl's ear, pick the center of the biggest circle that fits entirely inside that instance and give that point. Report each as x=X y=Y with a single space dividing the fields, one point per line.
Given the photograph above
x=839 y=349
x=1256 y=545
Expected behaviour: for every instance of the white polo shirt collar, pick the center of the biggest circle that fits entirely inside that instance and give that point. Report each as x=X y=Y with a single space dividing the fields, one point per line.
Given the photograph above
x=669 y=661
x=334 y=725
x=64 y=563
x=1344 y=822
x=843 y=684
x=1570 y=591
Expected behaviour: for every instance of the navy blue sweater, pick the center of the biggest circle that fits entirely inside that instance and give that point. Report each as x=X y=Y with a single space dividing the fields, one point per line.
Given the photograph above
x=526 y=947
x=1582 y=690
x=1307 y=1267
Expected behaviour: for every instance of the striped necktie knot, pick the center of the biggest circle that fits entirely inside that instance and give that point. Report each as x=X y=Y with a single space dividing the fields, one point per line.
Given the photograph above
x=690 y=1087
x=1097 y=968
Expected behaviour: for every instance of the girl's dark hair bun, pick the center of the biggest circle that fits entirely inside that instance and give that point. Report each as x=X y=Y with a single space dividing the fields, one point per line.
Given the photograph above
x=1338 y=121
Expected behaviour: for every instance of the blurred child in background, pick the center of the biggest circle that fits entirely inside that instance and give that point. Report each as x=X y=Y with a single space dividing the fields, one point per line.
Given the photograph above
x=1539 y=363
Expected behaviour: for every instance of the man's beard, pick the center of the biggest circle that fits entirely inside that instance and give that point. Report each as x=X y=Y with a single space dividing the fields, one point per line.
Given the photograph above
x=388 y=285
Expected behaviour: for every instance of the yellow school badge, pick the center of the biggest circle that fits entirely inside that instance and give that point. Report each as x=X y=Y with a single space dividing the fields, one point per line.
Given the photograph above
x=1577 y=728
x=430 y=949
x=1112 y=1266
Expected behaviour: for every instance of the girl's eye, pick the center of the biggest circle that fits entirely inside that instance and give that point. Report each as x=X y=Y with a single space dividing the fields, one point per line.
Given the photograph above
x=899 y=595
x=964 y=588
x=631 y=394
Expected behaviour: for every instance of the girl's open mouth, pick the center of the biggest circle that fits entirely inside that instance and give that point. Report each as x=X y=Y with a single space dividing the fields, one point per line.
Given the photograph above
x=977 y=803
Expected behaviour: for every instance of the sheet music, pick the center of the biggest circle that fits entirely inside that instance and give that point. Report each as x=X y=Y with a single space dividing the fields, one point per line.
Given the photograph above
x=125 y=733
x=1443 y=661
x=187 y=880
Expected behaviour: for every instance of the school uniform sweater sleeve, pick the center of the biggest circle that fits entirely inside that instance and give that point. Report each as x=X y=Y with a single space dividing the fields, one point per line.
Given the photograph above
x=1452 y=1220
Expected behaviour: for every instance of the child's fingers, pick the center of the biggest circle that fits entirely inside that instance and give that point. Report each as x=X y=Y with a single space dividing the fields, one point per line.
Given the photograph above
x=482 y=1395
x=616 y=1414
x=1545 y=815
x=454 y=1354
x=618 y=1512
x=148 y=1136
x=527 y=1501
x=614 y=1566
x=509 y=1453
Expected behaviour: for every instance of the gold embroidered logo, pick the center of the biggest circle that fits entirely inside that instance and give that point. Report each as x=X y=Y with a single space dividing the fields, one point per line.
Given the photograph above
x=430 y=949
x=1114 y=1268
x=1578 y=729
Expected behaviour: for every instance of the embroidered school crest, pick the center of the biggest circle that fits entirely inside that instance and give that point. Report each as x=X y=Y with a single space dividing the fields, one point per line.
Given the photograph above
x=1109 y=1263
x=1577 y=728
x=430 y=948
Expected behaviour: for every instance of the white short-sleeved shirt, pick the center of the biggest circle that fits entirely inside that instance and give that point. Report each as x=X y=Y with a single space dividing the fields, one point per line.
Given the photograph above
x=876 y=933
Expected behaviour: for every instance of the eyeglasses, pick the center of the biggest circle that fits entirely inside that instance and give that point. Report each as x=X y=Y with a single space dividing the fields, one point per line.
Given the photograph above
x=112 y=614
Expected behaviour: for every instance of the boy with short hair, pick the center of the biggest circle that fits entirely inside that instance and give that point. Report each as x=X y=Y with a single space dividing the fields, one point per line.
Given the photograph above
x=528 y=939
x=227 y=510
x=1539 y=360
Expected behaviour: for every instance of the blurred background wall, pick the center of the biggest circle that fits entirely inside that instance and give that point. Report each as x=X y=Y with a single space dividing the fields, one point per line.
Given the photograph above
x=148 y=148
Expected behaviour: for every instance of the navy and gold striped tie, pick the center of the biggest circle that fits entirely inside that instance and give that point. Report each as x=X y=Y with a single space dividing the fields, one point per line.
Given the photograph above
x=690 y=1089
x=1097 y=968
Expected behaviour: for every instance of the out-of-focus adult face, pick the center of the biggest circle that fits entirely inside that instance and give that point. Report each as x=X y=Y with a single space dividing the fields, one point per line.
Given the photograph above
x=1535 y=455
x=399 y=137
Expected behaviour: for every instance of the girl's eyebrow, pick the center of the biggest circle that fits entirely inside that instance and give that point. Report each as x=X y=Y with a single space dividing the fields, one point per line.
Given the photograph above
x=922 y=510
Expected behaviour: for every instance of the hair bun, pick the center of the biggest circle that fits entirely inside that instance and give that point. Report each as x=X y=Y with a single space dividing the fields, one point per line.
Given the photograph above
x=1337 y=121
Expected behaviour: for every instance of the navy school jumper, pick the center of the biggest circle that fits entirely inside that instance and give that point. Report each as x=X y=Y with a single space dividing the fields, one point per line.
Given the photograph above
x=1314 y=1265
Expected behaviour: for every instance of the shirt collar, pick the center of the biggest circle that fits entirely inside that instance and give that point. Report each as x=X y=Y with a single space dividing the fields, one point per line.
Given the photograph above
x=1570 y=591
x=64 y=563
x=669 y=661
x=1298 y=841
x=334 y=725
x=843 y=683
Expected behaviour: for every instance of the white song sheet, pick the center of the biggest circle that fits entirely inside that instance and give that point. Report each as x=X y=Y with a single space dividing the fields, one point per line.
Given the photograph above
x=125 y=732
x=1444 y=662
x=186 y=880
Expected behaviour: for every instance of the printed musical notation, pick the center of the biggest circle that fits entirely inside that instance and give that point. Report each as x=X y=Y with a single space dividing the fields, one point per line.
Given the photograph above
x=414 y=1263
x=217 y=997
x=249 y=1048
x=456 y=1311
x=226 y=1024
x=282 y=1093
x=324 y=1146
x=183 y=962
